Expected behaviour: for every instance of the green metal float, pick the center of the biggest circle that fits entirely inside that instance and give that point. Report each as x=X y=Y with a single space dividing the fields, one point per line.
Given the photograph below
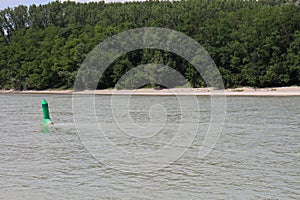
x=46 y=114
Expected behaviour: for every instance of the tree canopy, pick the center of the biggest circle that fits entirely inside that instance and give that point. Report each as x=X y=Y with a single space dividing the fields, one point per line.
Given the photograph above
x=253 y=43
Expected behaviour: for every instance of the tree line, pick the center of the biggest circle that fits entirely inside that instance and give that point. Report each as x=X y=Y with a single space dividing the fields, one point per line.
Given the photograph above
x=253 y=43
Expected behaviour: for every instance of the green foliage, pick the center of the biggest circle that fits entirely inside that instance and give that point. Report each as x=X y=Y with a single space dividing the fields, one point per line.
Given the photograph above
x=253 y=43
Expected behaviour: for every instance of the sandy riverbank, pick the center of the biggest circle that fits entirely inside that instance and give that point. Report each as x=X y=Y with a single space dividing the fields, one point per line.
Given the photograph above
x=246 y=91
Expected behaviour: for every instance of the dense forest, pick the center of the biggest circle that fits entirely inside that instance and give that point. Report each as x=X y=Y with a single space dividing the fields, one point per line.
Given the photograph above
x=253 y=42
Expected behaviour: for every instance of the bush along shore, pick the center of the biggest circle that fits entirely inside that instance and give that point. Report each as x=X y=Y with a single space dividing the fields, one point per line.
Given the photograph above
x=253 y=43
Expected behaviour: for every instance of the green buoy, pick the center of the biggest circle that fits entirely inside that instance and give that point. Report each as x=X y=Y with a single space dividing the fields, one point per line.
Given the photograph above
x=46 y=114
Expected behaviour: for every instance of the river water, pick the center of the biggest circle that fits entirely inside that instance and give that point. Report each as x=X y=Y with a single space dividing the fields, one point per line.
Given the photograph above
x=257 y=156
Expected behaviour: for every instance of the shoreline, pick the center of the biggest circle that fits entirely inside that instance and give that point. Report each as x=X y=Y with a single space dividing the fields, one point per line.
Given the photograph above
x=244 y=91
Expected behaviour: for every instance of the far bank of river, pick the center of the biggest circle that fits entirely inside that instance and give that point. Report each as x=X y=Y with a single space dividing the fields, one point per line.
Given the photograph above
x=245 y=91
